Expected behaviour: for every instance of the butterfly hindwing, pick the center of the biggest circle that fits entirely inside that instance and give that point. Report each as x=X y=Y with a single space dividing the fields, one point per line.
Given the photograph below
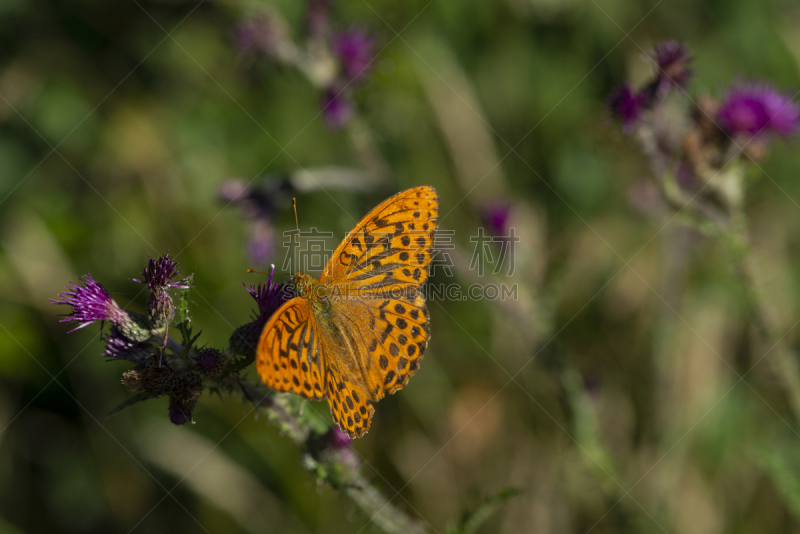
x=289 y=357
x=390 y=336
x=402 y=341
x=349 y=404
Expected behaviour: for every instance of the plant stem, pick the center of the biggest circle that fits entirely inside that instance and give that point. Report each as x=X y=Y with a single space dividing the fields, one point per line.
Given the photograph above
x=781 y=358
x=729 y=226
x=266 y=400
x=348 y=476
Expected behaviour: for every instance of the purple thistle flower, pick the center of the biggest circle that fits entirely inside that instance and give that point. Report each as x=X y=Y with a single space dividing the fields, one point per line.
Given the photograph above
x=269 y=296
x=753 y=109
x=354 y=48
x=90 y=302
x=626 y=105
x=495 y=215
x=336 y=438
x=784 y=114
x=180 y=413
x=672 y=59
x=336 y=109
x=159 y=274
x=120 y=348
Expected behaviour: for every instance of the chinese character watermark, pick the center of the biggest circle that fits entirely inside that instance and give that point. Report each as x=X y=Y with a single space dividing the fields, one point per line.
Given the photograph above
x=380 y=254
x=484 y=251
x=306 y=251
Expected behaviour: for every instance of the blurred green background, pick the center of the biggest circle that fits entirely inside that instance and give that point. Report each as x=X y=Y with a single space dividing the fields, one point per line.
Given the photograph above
x=625 y=414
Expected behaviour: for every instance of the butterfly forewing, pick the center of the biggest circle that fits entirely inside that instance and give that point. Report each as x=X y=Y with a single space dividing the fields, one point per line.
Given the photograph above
x=389 y=252
x=289 y=356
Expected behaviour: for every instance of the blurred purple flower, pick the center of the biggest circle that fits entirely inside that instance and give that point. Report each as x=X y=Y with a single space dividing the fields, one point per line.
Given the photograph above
x=258 y=205
x=258 y=34
x=354 y=48
x=246 y=35
x=255 y=201
x=626 y=105
x=495 y=215
x=673 y=61
x=336 y=109
x=261 y=242
x=120 y=348
x=753 y=109
x=234 y=190
x=318 y=20
x=337 y=439
x=269 y=296
x=90 y=302
x=159 y=273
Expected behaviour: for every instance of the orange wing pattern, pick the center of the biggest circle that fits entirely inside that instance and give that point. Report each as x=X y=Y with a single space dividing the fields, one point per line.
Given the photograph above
x=376 y=273
x=389 y=252
x=289 y=356
x=369 y=336
x=348 y=403
x=391 y=336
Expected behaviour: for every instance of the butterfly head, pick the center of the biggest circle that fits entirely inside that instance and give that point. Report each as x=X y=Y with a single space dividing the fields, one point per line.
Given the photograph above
x=304 y=284
x=309 y=288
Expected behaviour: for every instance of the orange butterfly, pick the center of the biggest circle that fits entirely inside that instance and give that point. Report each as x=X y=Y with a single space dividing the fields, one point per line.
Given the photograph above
x=360 y=331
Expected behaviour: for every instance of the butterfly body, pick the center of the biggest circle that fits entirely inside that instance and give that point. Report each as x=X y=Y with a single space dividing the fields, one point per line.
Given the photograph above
x=310 y=289
x=359 y=331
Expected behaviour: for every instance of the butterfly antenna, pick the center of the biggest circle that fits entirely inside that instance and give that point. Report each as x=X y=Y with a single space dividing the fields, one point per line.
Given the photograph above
x=263 y=272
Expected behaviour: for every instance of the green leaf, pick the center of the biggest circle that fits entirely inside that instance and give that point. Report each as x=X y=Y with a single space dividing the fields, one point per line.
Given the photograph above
x=472 y=521
x=188 y=346
x=783 y=466
x=128 y=403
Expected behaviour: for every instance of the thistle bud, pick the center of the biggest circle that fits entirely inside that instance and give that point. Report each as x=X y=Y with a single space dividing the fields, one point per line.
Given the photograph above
x=210 y=361
x=158 y=275
x=179 y=412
